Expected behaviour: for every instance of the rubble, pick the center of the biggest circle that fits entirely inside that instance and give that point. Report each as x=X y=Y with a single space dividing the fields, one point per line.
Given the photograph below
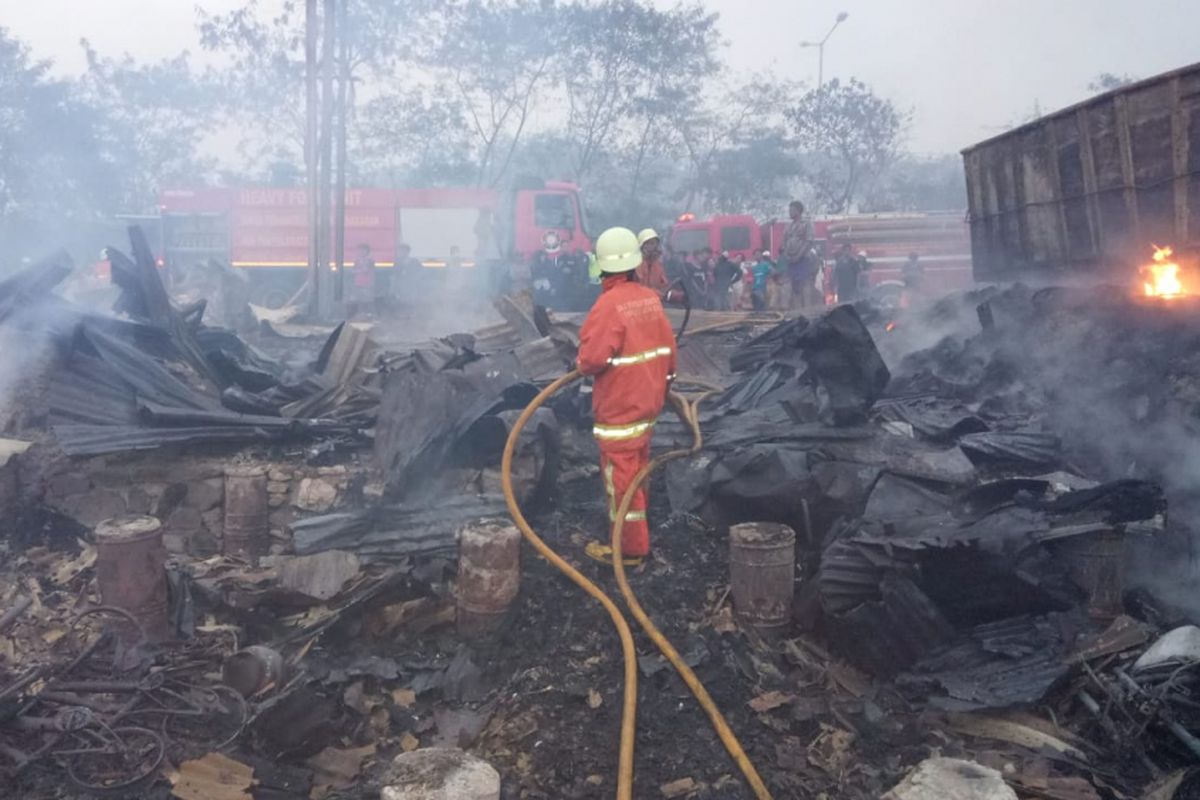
x=958 y=604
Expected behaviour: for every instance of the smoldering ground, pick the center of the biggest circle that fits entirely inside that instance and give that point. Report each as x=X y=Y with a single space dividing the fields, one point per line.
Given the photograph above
x=1115 y=376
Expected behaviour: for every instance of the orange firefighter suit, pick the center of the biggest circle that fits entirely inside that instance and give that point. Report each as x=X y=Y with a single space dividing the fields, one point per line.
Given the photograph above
x=652 y=275
x=626 y=342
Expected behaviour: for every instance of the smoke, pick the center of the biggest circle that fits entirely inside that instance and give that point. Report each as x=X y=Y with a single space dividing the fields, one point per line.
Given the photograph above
x=27 y=341
x=1115 y=376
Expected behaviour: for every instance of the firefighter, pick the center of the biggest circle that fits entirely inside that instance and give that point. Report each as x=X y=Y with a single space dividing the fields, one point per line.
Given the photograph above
x=651 y=273
x=627 y=344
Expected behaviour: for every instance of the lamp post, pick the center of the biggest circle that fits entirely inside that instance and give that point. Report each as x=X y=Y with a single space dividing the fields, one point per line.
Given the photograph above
x=841 y=17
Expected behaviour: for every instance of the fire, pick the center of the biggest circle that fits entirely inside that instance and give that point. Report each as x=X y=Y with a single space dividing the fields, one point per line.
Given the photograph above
x=1161 y=278
x=891 y=326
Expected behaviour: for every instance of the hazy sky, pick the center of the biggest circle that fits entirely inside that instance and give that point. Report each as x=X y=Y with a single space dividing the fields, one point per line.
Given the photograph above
x=964 y=67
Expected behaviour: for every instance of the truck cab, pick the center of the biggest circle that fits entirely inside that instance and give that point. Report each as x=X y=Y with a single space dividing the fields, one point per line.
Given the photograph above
x=737 y=234
x=549 y=244
x=547 y=217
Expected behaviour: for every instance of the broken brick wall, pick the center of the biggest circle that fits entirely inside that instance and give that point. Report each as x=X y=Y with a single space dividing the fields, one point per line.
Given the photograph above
x=187 y=492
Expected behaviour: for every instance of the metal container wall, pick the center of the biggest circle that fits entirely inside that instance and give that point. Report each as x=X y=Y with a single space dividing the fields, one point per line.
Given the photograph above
x=247 y=513
x=131 y=571
x=489 y=575
x=1088 y=189
x=762 y=563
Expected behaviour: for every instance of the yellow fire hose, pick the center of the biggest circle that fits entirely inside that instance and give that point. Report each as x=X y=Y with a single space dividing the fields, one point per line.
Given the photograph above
x=688 y=410
x=629 y=701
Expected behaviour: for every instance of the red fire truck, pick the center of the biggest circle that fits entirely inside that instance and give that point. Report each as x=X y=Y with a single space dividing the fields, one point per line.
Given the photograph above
x=464 y=231
x=940 y=240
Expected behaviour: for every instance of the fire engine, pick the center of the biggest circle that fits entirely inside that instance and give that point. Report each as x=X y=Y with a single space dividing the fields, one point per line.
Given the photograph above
x=467 y=237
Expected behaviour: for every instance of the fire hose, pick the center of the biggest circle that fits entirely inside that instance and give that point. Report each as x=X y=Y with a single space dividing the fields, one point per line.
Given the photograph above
x=688 y=411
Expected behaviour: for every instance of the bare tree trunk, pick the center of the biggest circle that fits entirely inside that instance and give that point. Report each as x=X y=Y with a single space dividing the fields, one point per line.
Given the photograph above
x=339 y=244
x=643 y=144
x=310 y=153
x=324 y=206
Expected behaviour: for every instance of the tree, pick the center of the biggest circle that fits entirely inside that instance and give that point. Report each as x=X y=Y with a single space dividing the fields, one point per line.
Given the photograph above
x=917 y=183
x=409 y=138
x=848 y=136
x=263 y=78
x=263 y=52
x=55 y=176
x=618 y=69
x=1107 y=81
x=735 y=136
x=153 y=122
x=498 y=57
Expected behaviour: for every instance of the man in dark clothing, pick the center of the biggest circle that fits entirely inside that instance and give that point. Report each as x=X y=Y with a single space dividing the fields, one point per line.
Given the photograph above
x=912 y=272
x=724 y=274
x=846 y=272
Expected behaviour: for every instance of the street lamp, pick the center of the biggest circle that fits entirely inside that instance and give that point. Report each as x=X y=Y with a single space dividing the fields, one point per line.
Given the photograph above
x=821 y=48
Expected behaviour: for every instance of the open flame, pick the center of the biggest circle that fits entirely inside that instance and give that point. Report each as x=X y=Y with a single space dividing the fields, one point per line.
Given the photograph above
x=891 y=326
x=1161 y=278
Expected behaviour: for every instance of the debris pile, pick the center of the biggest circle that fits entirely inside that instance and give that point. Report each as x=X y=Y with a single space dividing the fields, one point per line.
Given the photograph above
x=950 y=614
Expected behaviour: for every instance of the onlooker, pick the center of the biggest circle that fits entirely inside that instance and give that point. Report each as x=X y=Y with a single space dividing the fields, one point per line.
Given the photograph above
x=762 y=271
x=695 y=280
x=846 y=271
x=672 y=263
x=737 y=290
x=725 y=275
x=913 y=272
x=796 y=254
x=363 y=292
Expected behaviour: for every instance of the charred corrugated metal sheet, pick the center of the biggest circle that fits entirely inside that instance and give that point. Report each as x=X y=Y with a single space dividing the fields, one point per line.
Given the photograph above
x=33 y=285
x=1012 y=662
x=851 y=573
x=394 y=532
x=87 y=391
x=890 y=633
x=348 y=355
x=90 y=440
x=541 y=360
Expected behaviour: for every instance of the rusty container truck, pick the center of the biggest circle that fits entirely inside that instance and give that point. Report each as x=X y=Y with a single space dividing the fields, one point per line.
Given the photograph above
x=1089 y=190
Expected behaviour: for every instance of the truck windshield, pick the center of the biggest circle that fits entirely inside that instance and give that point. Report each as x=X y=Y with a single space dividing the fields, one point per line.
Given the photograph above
x=553 y=211
x=689 y=240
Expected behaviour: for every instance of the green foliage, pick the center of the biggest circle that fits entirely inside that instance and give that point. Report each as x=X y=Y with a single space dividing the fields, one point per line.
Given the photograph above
x=54 y=170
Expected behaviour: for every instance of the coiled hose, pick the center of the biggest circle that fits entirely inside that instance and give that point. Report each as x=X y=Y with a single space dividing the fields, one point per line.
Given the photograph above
x=688 y=411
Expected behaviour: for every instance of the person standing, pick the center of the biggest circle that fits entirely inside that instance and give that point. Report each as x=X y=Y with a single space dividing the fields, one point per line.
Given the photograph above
x=846 y=271
x=626 y=344
x=912 y=273
x=725 y=274
x=795 y=253
x=650 y=273
x=761 y=271
x=364 y=278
